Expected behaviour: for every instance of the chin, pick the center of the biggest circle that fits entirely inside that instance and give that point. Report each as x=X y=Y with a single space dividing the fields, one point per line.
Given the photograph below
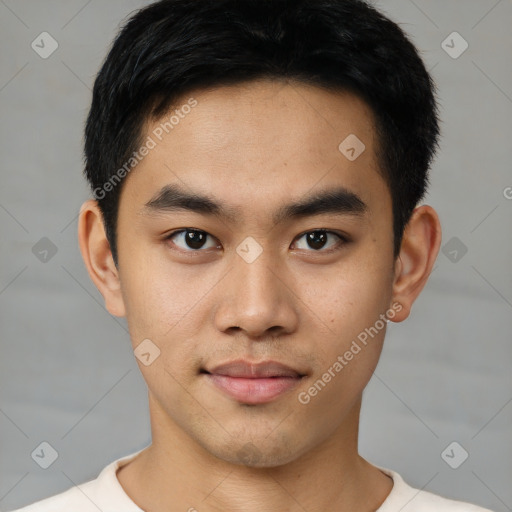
x=262 y=453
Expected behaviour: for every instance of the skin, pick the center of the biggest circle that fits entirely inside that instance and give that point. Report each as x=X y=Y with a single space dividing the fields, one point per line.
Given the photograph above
x=257 y=147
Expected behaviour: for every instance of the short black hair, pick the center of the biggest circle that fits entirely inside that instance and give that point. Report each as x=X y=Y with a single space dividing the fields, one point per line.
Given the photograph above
x=172 y=47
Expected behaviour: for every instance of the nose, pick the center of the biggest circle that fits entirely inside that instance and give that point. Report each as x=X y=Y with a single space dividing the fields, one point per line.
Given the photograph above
x=255 y=298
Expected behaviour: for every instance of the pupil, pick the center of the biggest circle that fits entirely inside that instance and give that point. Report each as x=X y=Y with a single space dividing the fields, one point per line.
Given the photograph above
x=195 y=239
x=317 y=239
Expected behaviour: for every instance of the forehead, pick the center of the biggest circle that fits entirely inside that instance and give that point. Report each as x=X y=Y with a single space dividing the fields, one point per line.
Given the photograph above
x=260 y=143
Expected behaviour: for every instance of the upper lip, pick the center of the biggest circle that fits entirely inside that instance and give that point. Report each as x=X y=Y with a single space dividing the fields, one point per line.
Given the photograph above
x=248 y=370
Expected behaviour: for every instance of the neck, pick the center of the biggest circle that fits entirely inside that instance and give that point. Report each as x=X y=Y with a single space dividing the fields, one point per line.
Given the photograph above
x=175 y=471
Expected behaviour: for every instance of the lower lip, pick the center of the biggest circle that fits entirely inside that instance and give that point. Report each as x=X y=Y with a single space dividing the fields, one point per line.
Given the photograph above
x=254 y=391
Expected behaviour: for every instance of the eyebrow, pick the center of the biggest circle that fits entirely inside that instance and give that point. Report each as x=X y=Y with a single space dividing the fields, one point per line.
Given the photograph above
x=337 y=200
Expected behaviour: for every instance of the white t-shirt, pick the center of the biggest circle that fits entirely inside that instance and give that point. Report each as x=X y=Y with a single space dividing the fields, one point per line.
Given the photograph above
x=105 y=493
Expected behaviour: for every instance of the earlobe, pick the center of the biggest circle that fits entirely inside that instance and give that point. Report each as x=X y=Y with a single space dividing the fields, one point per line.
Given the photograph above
x=97 y=257
x=418 y=252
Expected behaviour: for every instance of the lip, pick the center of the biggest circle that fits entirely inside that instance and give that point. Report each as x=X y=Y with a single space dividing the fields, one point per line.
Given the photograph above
x=249 y=370
x=254 y=383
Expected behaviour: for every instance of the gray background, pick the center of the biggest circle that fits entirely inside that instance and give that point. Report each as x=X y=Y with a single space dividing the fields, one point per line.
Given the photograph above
x=67 y=372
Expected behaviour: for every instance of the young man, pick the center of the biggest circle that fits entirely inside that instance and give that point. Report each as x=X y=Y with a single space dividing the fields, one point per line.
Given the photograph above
x=257 y=167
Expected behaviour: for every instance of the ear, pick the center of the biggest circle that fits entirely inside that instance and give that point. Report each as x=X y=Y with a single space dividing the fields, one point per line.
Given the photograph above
x=418 y=252
x=97 y=257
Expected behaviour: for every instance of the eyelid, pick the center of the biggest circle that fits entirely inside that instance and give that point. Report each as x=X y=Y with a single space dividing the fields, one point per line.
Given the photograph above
x=340 y=234
x=184 y=230
x=342 y=239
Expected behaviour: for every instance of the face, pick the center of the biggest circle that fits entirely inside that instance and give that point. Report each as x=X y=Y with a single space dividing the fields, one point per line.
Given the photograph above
x=238 y=274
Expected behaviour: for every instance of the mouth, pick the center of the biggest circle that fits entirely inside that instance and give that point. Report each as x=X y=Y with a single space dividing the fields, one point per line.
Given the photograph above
x=254 y=383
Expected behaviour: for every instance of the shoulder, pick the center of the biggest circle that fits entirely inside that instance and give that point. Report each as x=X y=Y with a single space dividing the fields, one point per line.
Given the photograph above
x=428 y=502
x=405 y=498
x=76 y=499
x=103 y=493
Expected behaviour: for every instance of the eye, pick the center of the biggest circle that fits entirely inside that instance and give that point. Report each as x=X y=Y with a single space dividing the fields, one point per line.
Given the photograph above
x=191 y=240
x=318 y=239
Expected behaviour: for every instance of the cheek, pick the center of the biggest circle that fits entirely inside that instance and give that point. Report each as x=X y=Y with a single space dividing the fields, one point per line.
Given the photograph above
x=349 y=303
x=167 y=304
x=349 y=350
x=159 y=297
x=349 y=299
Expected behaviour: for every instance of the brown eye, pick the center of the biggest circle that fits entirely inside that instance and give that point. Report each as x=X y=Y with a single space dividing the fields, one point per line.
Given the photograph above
x=191 y=239
x=319 y=239
x=316 y=239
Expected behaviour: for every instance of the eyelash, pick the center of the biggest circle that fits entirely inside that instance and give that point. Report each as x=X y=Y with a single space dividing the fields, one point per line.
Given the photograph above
x=342 y=240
